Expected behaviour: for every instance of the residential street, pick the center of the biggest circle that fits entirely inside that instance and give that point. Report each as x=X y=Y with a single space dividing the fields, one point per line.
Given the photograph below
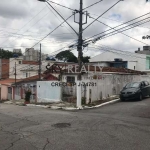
x=119 y=126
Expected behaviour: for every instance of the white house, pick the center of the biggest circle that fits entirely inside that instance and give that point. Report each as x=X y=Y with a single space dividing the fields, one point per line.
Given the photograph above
x=134 y=61
x=24 y=68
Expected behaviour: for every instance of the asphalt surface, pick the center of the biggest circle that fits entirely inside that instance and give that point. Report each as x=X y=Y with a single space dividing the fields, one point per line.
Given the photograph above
x=118 y=126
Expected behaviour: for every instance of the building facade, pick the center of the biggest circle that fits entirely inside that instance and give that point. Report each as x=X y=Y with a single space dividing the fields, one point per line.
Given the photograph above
x=146 y=50
x=4 y=69
x=133 y=61
x=33 y=55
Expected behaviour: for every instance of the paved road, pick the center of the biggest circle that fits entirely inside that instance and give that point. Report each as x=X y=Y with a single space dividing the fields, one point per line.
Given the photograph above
x=119 y=126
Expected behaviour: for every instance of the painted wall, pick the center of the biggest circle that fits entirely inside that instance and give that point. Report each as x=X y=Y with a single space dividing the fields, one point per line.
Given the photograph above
x=48 y=93
x=108 y=85
x=19 y=91
x=0 y=68
x=4 y=92
x=19 y=67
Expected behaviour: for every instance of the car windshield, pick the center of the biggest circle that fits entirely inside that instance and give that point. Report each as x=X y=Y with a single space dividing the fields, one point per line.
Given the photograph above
x=132 y=85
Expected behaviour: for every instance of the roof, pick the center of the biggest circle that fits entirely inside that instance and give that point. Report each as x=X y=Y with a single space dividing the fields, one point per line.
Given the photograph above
x=8 y=81
x=36 y=78
x=30 y=79
x=30 y=62
x=111 y=55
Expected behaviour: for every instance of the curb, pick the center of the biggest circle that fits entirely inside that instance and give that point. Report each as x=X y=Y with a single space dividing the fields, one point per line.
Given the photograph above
x=86 y=107
x=71 y=108
x=103 y=104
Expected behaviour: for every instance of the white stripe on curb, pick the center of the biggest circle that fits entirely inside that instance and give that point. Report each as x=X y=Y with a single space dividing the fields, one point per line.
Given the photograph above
x=103 y=104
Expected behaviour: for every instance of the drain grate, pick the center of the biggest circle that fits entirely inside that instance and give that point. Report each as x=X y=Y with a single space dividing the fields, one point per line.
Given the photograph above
x=61 y=125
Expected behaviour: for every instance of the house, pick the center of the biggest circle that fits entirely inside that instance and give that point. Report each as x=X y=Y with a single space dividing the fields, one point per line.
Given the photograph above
x=6 y=89
x=146 y=50
x=100 y=82
x=29 y=83
x=133 y=61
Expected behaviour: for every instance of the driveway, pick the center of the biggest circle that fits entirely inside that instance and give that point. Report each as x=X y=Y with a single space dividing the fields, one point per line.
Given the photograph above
x=119 y=126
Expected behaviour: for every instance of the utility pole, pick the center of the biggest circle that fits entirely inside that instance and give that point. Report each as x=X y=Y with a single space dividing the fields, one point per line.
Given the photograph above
x=40 y=64
x=80 y=41
x=80 y=54
x=15 y=73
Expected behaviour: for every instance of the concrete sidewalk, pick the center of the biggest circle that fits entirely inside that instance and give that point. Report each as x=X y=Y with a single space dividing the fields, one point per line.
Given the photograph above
x=60 y=105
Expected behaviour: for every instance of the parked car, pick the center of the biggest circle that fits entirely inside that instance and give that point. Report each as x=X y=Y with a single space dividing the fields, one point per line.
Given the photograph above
x=135 y=90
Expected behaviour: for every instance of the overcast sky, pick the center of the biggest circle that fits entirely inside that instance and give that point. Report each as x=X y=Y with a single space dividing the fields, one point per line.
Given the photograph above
x=25 y=22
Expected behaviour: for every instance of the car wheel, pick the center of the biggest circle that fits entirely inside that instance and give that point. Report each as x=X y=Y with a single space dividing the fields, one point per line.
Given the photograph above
x=140 y=97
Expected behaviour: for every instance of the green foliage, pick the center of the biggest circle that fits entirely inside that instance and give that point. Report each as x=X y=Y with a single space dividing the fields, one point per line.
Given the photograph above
x=66 y=56
x=85 y=59
x=5 y=54
x=70 y=57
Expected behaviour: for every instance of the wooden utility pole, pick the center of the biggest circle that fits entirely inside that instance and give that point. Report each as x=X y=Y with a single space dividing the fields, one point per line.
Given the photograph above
x=40 y=64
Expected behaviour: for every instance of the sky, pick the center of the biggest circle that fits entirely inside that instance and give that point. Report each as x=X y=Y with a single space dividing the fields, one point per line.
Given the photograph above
x=24 y=23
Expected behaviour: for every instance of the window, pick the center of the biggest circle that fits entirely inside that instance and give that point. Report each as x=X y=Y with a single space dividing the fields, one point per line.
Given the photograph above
x=132 y=85
x=148 y=63
x=70 y=79
x=20 y=62
x=26 y=74
x=146 y=83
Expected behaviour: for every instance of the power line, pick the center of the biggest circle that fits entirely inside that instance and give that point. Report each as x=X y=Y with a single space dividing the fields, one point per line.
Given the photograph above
x=122 y=24
x=92 y=4
x=102 y=14
x=61 y=5
x=108 y=50
x=62 y=17
x=117 y=52
x=104 y=36
x=52 y=31
x=117 y=31
x=57 y=17
x=117 y=20
x=126 y=29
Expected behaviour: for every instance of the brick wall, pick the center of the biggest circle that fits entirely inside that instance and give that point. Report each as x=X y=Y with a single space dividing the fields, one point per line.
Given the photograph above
x=5 y=68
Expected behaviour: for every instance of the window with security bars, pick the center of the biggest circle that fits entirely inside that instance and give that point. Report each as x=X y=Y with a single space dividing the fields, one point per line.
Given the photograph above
x=70 y=79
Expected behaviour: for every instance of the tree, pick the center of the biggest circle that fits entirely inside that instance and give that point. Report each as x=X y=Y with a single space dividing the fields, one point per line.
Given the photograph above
x=85 y=59
x=67 y=56
x=5 y=54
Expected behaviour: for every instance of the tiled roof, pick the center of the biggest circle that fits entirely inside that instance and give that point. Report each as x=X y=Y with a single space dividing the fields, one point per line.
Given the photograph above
x=30 y=62
x=97 y=69
x=8 y=81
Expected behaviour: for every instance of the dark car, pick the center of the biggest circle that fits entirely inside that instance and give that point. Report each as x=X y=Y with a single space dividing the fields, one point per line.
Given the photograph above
x=135 y=90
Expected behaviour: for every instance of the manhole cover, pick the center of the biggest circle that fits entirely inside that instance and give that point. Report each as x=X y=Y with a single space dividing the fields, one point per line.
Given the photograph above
x=61 y=125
